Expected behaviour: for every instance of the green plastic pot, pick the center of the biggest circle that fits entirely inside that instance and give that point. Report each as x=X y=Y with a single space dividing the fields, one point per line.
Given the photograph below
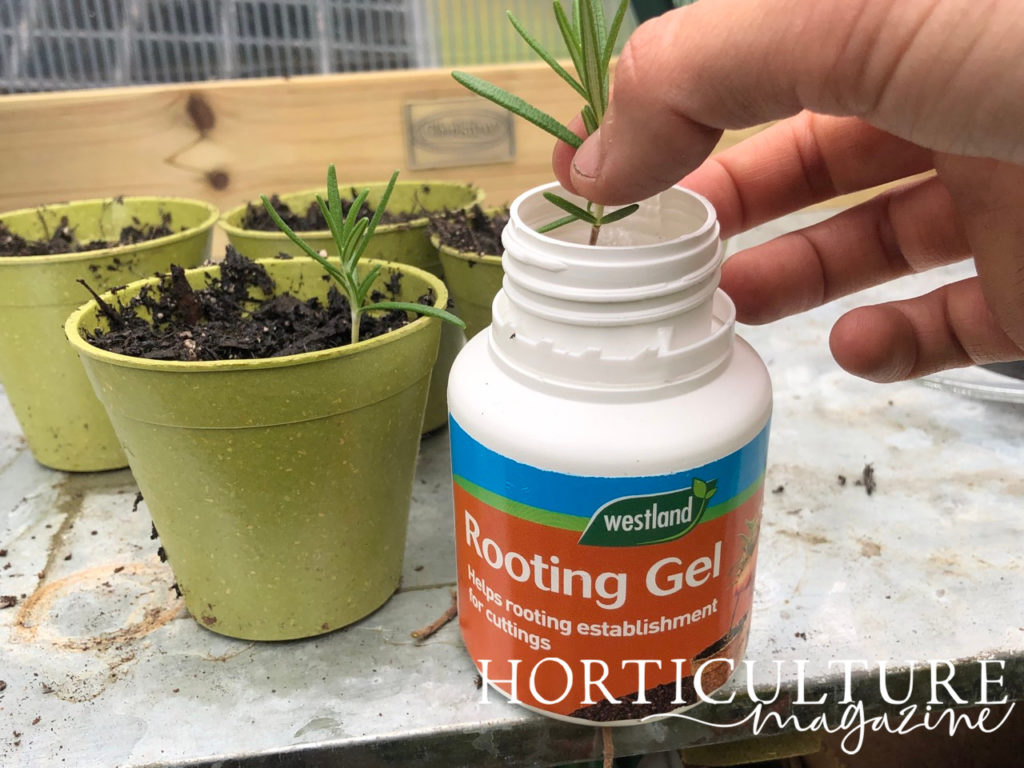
x=406 y=243
x=65 y=426
x=473 y=279
x=280 y=487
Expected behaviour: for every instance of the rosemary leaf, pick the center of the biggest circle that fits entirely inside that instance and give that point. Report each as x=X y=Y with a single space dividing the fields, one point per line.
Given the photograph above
x=597 y=13
x=613 y=35
x=422 y=309
x=592 y=78
x=570 y=207
x=518 y=106
x=619 y=213
x=572 y=41
x=367 y=282
x=377 y=213
x=547 y=57
x=334 y=198
x=557 y=223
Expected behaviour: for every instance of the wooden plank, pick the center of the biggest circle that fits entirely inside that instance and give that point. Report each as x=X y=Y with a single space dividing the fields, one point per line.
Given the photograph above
x=228 y=141
x=263 y=135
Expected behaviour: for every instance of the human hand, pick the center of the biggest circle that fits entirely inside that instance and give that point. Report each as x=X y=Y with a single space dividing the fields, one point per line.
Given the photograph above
x=867 y=92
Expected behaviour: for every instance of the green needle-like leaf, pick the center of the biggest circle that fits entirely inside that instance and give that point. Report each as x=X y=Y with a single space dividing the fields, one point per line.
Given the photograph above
x=378 y=212
x=306 y=248
x=597 y=13
x=357 y=206
x=350 y=246
x=422 y=309
x=577 y=16
x=618 y=214
x=367 y=282
x=547 y=57
x=557 y=223
x=613 y=35
x=333 y=224
x=591 y=76
x=518 y=106
x=570 y=207
x=589 y=119
x=569 y=37
x=334 y=198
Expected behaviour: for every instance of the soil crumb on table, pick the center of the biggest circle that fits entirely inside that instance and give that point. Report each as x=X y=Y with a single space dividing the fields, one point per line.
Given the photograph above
x=867 y=479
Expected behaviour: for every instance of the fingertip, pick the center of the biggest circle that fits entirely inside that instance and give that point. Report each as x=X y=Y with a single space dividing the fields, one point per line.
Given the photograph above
x=747 y=295
x=563 y=154
x=585 y=172
x=875 y=343
x=772 y=281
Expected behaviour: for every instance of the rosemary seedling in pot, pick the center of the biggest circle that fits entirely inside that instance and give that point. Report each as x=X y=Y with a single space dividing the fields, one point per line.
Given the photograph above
x=351 y=234
x=590 y=42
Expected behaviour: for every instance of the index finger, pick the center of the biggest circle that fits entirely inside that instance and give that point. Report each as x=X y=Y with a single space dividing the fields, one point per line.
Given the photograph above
x=798 y=162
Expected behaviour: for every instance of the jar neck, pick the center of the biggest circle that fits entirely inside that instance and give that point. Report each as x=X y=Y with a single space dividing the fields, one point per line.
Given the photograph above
x=642 y=314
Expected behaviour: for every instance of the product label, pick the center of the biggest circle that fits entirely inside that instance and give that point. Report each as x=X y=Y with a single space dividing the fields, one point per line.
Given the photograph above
x=601 y=597
x=454 y=132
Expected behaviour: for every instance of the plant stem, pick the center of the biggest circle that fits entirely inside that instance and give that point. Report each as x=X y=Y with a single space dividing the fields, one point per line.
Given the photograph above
x=595 y=230
x=450 y=613
x=354 y=310
x=608 y=747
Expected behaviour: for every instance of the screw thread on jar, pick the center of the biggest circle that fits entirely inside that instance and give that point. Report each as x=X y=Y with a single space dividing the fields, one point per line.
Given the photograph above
x=641 y=312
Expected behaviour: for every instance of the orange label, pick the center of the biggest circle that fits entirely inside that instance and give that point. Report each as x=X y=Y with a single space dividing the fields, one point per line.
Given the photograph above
x=600 y=598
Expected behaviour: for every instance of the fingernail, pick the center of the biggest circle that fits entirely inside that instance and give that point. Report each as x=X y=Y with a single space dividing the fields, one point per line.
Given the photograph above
x=587 y=160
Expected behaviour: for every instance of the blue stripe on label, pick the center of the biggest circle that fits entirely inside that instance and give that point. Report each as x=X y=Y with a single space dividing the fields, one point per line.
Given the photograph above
x=581 y=495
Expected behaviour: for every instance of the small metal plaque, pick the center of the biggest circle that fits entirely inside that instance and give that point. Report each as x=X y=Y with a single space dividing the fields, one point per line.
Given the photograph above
x=453 y=132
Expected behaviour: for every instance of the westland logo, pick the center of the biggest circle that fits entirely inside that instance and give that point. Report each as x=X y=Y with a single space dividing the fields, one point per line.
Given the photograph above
x=637 y=520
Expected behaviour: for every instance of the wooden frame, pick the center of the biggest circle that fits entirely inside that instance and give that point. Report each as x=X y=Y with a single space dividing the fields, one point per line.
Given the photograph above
x=226 y=142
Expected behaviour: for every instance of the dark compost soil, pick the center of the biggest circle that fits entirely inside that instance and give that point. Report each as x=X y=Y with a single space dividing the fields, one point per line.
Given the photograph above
x=471 y=231
x=64 y=240
x=237 y=316
x=661 y=698
x=256 y=216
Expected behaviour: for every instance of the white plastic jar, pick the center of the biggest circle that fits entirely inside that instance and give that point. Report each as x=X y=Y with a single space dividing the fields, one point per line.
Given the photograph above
x=609 y=437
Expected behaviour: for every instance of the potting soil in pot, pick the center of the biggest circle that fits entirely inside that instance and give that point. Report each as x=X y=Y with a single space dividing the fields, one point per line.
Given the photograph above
x=472 y=231
x=236 y=317
x=256 y=216
x=65 y=240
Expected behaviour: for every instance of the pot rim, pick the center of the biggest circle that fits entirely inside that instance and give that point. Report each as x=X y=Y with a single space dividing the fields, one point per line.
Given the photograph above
x=447 y=250
x=118 y=250
x=260 y=234
x=72 y=330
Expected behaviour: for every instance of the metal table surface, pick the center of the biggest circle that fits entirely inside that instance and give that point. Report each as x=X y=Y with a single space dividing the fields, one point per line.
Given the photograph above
x=102 y=666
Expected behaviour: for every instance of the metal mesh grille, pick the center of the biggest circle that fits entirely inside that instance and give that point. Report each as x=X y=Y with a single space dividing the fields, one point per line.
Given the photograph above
x=58 y=44
x=61 y=44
